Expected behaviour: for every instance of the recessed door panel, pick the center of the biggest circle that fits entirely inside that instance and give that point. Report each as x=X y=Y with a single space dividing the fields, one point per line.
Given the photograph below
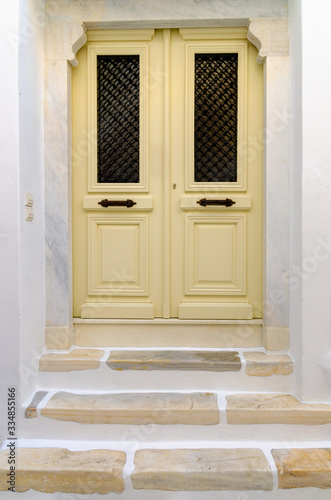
x=118 y=255
x=215 y=249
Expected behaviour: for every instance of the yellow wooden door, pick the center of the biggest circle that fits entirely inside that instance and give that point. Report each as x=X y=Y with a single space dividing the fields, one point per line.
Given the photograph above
x=216 y=115
x=117 y=193
x=150 y=238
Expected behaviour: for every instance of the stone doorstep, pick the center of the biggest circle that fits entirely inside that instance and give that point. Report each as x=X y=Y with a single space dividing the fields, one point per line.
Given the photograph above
x=275 y=409
x=303 y=468
x=260 y=364
x=77 y=359
x=202 y=470
x=217 y=361
x=134 y=408
x=257 y=363
x=59 y=470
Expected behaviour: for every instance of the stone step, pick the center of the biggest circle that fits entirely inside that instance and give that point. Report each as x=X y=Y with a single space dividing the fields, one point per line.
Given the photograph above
x=134 y=408
x=193 y=408
x=258 y=363
x=52 y=470
x=154 y=370
x=217 y=361
x=275 y=409
x=56 y=470
x=202 y=470
x=77 y=359
x=303 y=468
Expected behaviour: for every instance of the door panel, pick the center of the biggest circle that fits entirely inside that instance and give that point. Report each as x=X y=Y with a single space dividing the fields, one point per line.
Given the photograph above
x=167 y=180
x=118 y=113
x=215 y=116
x=215 y=255
x=117 y=117
x=215 y=113
x=118 y=255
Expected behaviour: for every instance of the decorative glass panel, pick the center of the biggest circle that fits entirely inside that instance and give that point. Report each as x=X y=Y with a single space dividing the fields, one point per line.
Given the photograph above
x=215 y=124
x=118 y=118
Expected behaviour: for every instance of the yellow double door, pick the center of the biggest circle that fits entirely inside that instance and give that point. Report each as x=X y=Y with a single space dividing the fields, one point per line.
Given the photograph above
x=167 y=177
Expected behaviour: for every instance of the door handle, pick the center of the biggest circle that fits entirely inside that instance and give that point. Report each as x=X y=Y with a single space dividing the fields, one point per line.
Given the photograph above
x=117 y=203
x=227 y=202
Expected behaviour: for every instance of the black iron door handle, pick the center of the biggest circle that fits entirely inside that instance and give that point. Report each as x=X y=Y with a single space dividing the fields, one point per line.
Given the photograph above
x=227 y=202
x=117 y=203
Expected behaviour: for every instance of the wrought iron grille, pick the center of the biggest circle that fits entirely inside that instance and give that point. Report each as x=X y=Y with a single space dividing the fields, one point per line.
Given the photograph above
x=215 y=124
x=118 y=118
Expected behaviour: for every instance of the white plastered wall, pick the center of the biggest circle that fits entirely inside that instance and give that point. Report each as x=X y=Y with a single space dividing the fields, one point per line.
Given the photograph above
x=31 y=167
x=22 y=291
x=9 y=222
x=310 y=278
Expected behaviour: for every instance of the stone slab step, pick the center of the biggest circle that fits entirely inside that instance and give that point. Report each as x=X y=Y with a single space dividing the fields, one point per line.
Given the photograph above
x=202 y=470
x=59 y=470
x=265 y=374
x=258 y=363
x=275 y=409
x=217 y=361
x=303 y=468
x=134 y=408
x=77 y=359
x=55 y=471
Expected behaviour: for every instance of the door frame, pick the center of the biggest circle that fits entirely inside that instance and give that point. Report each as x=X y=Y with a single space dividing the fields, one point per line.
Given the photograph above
x=62 y=41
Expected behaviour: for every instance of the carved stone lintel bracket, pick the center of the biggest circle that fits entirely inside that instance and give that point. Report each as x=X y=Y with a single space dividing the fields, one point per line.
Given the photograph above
x=270 y=36
x=63 y=40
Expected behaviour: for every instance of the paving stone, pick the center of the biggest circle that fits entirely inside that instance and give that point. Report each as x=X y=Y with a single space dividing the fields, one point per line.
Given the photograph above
x=134 y=408
x=78 y=359
x=221 y=361
x=201 y=470
x=59 y=470
x=275 y=409
x=303 y=468
x=260 y=364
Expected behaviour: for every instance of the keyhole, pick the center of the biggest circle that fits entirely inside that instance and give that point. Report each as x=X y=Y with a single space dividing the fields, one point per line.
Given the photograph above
x=174 y=186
